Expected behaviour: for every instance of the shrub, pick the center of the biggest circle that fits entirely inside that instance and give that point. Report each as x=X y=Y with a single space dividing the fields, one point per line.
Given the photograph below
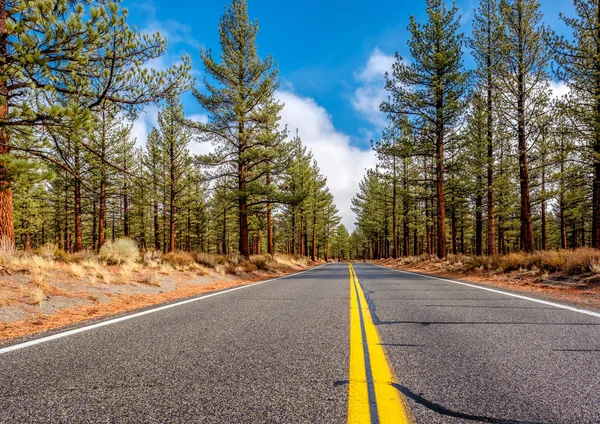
x=77 y=271
x=248 y=266
x=232 y=269
x=513 y=261
x=205 y=259
x=551 y=261
x=152 y=257
x=179 y=259
x=582 y=260
x=120 y=251
x=262 y=262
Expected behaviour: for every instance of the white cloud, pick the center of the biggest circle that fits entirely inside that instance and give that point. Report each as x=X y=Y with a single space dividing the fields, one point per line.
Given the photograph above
x=146 y=120
x=559 y=89
x=196 y=147
x=344 y=165
x=371 y=92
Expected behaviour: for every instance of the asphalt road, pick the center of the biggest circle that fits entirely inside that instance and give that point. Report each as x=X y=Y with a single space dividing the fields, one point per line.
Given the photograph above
x=279 y=352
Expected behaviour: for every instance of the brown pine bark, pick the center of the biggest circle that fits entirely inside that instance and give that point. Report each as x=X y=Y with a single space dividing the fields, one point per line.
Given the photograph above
x=172 y=213
x=490 y=151
x=270 y=242
x=543 y=214
x=478 y=225
x=313 y=253
x=78 y=247
x=440 y=189
x=7 y=220
x=527 y=240
x=394 y=208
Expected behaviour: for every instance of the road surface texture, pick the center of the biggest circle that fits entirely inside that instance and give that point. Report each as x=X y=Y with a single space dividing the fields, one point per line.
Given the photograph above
x=280 y=352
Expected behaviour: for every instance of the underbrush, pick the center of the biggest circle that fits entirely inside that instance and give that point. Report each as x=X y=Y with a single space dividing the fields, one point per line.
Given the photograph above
x=124 y=254
x=568 y=262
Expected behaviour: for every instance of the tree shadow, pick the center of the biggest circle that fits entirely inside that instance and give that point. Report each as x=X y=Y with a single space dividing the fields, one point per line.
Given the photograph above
x=441 y=409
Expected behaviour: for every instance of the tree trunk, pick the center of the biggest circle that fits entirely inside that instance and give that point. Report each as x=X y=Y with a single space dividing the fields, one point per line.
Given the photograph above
x=7 y=219
x=294 y=251
x=490 y=151
x=270 y=243
x=441 y=198
x=394 y=208
x=102 y=212
x=543 y=215
x=527 y=240
x=78 y=225
x=479 y=225
x=453 y=228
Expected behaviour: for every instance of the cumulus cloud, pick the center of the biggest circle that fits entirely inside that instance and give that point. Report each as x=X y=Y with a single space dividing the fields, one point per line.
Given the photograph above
x=371 y=92
x=146 y=120
x=344 y=165
x=559 y=89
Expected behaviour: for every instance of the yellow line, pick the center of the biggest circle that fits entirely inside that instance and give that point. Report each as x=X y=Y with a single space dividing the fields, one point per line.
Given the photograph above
x=358 y=391
x=389 y=405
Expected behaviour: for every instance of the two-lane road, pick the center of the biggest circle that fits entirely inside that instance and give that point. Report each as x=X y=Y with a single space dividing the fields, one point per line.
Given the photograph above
x=280 y=352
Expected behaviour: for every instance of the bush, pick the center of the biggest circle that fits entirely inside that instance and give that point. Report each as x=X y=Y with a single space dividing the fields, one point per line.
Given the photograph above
x=582 y=260
x=262 y=262
x=551 y=261
x=513 y=261
x=152 y=257
x=205 y=259
x=179 y=259
x=248 y=266
x=120 y=251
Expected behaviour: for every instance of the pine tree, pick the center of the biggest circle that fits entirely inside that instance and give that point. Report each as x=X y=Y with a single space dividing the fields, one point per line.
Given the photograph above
x=578 y=62
x=237 y=107
x=430 y=89
x=486 y=47
x=173 y=140
x=525 y=89
x=60 y=59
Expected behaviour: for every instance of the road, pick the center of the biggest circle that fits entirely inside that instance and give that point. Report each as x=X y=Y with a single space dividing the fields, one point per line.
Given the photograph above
x=319 y=347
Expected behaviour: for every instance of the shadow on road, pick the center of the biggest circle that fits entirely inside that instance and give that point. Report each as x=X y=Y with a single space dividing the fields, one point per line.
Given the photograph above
x=441 y=409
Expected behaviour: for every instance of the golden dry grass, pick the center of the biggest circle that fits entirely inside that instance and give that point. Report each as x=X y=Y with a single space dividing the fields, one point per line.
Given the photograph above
x=78 y=271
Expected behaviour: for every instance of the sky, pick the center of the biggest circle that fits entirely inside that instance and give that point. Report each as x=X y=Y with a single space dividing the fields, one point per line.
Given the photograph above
x=332 y=56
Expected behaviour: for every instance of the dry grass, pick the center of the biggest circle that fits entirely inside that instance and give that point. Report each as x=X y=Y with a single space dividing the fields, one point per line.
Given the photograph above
x=80 y=281
x=180 y=260
x=151 y=280
x=120 y=251
x=165 y=269
x=32 y=295
x=125 y=274
x=205 y=259
x=78 y=271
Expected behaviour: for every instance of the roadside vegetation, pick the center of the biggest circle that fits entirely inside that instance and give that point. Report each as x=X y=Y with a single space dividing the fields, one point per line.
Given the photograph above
x=48 y=287
x=571 y=275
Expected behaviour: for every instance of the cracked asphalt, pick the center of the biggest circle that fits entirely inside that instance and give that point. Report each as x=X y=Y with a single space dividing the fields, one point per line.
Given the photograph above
x=278 y=352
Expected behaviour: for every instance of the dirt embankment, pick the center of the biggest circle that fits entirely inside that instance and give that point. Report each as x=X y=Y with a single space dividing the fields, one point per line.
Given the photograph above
x=39 y=294
x=581 y=289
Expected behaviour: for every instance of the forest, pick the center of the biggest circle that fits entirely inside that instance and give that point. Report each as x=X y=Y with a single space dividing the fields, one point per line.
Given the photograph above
x=75 y=76
x=481 y=161
x=487 y=161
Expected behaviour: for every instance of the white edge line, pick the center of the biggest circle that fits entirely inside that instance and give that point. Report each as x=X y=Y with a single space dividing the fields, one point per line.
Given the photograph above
x=139 y=314
x=518 y=296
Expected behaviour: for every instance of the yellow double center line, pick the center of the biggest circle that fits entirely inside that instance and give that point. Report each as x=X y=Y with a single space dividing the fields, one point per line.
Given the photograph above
x=371 y=396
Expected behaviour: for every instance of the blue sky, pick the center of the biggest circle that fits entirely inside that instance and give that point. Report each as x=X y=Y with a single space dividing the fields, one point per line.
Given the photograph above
x=331 y=54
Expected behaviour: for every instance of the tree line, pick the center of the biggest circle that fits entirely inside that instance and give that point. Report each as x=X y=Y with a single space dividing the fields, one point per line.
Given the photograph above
x=74 y=75
x=488 y=160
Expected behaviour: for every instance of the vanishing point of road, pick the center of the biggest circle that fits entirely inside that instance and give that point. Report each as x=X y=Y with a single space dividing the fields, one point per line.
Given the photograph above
x=335 y=344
